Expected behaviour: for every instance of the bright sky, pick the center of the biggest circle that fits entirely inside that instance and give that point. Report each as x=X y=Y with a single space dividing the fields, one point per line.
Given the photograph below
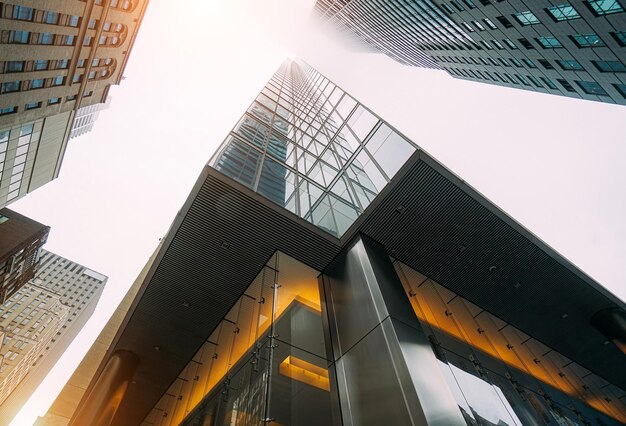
x=554 y=164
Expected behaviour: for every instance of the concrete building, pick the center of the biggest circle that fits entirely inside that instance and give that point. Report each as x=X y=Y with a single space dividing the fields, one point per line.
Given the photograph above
x=86 y=117
x=30 y=320
x=21 y=239
x=75 y=291
x=325 y=270
x=68 y=399
x=575 y=48
x=56 y=58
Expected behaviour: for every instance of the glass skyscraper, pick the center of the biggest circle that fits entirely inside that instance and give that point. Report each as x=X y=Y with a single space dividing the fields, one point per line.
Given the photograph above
x=575 y=49
x=327 y=271
x=311 y=148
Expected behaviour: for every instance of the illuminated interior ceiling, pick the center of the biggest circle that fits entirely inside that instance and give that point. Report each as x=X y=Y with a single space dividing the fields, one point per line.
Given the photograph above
x=305 y=372
x=444 y=310
x=423 y=217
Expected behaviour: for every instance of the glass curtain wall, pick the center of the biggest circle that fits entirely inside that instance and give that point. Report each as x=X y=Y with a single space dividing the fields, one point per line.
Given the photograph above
x=501 y=376
x=266 y=363
x=311 y=148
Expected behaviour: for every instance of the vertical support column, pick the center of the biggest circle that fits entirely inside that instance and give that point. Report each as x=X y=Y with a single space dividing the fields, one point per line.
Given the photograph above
x=101 y=404
x=386 y=370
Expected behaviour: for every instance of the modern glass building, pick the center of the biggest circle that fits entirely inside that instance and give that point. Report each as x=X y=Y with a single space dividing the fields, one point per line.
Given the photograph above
x=326 y=270
x=575 y=48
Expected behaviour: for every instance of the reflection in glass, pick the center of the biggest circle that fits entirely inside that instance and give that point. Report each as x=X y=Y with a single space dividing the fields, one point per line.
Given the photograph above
x=315 y=135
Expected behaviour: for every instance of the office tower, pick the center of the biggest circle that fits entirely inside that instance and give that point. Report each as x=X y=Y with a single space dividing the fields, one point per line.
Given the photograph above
x=66 y=402
x=326 y=270
x=75 y=291
x=21 y=239
x=30 y=320
x=56 y=58
x=575 y=48
x=86 y=117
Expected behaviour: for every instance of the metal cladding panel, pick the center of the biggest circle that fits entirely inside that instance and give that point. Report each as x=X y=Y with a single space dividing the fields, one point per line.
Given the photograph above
x=455 y=237
x=222 y=243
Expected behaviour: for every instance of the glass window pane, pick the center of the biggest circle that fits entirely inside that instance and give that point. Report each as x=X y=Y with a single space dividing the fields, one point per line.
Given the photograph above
x=362 y=122
x=392 y=153
x=239 y=161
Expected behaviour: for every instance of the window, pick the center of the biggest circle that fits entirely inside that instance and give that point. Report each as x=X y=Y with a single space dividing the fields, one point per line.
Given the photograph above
x=95 y=62
x=13 y=66
x=92 y=24
x=103 y=40
x=54 y=101
x=529 y=63
x=587 y=40
x=515 y=62
x=87 y=93
x=50 y=17
x=604 y=7
x=62 y=64
x=470 y=4
x=87 y=40
x=19 y=37
x=107 y=26
x=563 y=12
x=76 y=78
x=546 y=64
x=534 y=81
x=58 y=80
x=33 y=105
x=570 y=65
x=10 y=86
x=566 y=85
x=22 y=13
x=620 y=37
x=609 y=66
x=621 y=88
x=68 y=40
x=8 y=110
x=46 y=38
x=548 y=83
x=526 y=18
x=92 y=75
x=490 y=24
x=71 y=98
x=525 y=43
x=73 y=21
x=36 y=84
x=592 y=88
x=40 y=65
x=509 y=43
x=505 y=22
x=549 y=42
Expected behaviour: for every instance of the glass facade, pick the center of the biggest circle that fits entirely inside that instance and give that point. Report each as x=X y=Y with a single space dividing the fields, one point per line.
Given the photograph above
x=311 y=148
x=471 y=41
x=498 y=374
x=267 y=359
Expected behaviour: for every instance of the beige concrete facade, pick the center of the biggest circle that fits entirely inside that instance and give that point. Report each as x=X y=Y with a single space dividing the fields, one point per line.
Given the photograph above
x=78 y=48
x=57 y=57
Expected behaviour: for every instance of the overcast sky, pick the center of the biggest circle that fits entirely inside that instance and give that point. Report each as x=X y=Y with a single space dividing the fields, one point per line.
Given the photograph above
x=554 y=164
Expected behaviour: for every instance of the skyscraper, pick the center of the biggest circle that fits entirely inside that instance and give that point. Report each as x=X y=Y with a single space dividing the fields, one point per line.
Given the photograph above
x=55 y=60
x=40 y=322
x=327 y=270
x=21 y=240
x=575 y=49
